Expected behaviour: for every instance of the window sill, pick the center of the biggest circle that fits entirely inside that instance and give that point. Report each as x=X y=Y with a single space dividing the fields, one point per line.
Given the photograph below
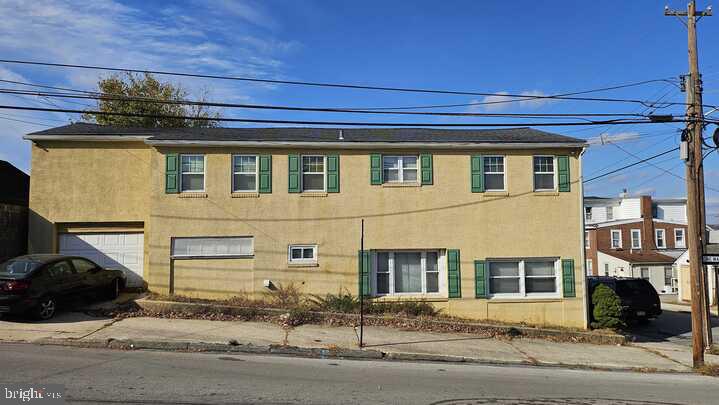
x=248 y=194
x=313 y=194
x=410 y=297
x=495 y=194
x=523 y=300
x=541 y=193
x=296 y=265
x=395 y=185
x=188 y=194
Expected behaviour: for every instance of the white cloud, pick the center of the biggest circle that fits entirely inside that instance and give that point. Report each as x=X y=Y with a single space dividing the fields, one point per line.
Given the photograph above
x=607 y=138
x=644 y=191
x=502 y=101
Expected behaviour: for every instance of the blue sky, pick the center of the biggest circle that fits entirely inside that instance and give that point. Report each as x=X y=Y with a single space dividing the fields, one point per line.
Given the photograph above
x=485 y=46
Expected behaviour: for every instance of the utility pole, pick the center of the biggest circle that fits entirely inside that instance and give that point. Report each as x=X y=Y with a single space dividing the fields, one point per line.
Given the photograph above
x=695 y=179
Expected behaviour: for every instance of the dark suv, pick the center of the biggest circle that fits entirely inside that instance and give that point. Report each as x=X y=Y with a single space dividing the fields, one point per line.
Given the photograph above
x=35 y=284
x=640 y=300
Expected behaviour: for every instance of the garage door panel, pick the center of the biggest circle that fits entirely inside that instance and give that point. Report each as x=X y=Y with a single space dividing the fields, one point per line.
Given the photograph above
x=122 y=251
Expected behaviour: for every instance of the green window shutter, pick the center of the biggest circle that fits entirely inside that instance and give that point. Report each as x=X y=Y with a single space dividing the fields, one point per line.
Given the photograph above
x=453 y=274
x=480 y=279
x=333 y=173
x=477 y=173
x=425 y=162
x=293 y=180
x=563 y=166
x=375 y=169
x=568 y=278
x=172 y=173
x=265 y=174
x=364 y=264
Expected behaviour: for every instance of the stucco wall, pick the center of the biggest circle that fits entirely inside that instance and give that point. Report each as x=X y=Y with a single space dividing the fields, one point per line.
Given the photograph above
x=445 y=215
x=86 y=182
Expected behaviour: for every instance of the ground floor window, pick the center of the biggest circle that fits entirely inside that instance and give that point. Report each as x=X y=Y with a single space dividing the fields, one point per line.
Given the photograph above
x=644 y=273
x=589 y=267
x=405 y=272
x=212 y=247
x=524 y=277
x=302 y=254
x=668 y=275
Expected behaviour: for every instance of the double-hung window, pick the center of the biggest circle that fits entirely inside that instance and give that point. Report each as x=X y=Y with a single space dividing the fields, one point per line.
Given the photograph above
x=644 y=273
x=668 y=275
x=587 y=240
x=544 y=173
x=524 y=277
x=636 y=239
x=587 y=213
x=302 y=254
x=616 y=241
x=192 y=168
x=493 y=173
x=660 y=238
x=399 y=169
x=313 y=173
x=590 y=272
x=679 y=238
x=404 y=272
x=244 y=173
x=610 y=213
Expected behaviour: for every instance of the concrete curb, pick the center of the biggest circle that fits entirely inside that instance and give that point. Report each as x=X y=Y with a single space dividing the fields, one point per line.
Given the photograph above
x=168 y=307
x=314 y=353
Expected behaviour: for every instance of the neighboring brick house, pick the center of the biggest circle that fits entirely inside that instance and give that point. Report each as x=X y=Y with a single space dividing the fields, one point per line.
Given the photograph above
x=14 y=193
x=635 y=237
x=451 y=216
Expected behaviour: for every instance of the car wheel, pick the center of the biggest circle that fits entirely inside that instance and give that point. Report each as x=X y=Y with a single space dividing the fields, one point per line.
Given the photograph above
x=113 y=290
x=46 y=308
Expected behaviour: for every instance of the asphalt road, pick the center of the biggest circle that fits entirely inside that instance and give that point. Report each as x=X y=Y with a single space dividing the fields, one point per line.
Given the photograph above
x=145 y=377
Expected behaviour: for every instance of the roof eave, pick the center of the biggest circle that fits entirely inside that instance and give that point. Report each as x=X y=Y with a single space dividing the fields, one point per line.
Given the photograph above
x=106 y=138
x=365 y=145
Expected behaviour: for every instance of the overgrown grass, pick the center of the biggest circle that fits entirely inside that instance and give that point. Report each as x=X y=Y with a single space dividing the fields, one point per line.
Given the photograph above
x=709 y=369
x=285 y=296
x=345 y=302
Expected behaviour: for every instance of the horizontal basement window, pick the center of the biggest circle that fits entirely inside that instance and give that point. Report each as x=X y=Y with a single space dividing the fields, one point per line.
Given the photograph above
x=213 y=247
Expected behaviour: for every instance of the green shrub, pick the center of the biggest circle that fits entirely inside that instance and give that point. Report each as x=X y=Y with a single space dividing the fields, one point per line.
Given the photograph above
x=343 y=302
x=403 y=308
x=607 y=308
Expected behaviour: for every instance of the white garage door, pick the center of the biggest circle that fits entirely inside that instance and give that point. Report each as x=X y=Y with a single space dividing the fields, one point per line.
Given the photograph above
x=121 y=251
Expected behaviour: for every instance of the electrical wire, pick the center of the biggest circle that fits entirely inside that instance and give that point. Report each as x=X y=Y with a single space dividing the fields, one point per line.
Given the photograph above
x=518 y=97
x=632 y=164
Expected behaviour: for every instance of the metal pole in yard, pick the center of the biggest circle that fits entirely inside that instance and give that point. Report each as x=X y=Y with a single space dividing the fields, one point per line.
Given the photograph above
x=361 y=286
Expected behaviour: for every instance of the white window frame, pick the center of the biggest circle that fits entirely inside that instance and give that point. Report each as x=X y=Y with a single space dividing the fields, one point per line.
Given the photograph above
x=324 y=174
x=609 y=213
x=637 y=231
x=606 y=269
x=587 y=240
x=256 y=173
x=400 y=169
x=173 y=240
x=313 y=260
x=611 y=238
x=204 y=172
x=503 y=173
x=587 y=210
x=441 y=273
x=641 y=272
x=522 y=277
x=681 y=231
x=554 y=173
x=664 y=238
x=588 y=266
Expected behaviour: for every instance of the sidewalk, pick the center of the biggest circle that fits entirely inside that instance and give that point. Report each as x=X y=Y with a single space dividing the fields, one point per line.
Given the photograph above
x=381 y=342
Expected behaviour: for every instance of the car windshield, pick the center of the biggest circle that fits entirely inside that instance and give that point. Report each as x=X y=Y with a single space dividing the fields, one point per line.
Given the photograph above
x=17 y=267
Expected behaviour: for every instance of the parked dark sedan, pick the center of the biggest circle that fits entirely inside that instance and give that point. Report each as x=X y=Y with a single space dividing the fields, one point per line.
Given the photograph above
x=35 y=284
x=640 y=300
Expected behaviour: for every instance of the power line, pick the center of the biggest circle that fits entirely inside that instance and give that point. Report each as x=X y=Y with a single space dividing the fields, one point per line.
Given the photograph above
x=518 y=97
x=631 y=165
x=336 y=123
x=102 y=96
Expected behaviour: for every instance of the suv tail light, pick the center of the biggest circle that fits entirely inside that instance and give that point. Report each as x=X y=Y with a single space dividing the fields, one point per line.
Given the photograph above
x=15 y=286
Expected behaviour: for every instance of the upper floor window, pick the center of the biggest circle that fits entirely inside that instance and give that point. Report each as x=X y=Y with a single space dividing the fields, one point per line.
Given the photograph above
x=588 y=213
x=192 y=170
x=660 y=238
x=636 y=239
x=523 y=277
x=544 y=173
x=616 y=239
x=313 y=173
x=587 y=243
x=679 y=239
x=244 y=173
x=399 y=169
x=610 y=213
x=493 y=173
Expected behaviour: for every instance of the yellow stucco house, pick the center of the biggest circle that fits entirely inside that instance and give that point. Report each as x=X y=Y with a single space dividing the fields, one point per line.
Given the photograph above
x=486 y=224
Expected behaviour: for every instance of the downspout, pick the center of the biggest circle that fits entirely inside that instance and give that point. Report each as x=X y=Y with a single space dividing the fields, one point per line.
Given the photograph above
x=585 y=282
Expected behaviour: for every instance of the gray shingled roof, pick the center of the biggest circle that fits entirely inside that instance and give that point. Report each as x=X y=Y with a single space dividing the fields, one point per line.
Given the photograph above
x=294 y=134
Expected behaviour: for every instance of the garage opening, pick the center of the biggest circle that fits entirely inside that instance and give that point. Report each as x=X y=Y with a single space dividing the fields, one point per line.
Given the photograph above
x=120 y=249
